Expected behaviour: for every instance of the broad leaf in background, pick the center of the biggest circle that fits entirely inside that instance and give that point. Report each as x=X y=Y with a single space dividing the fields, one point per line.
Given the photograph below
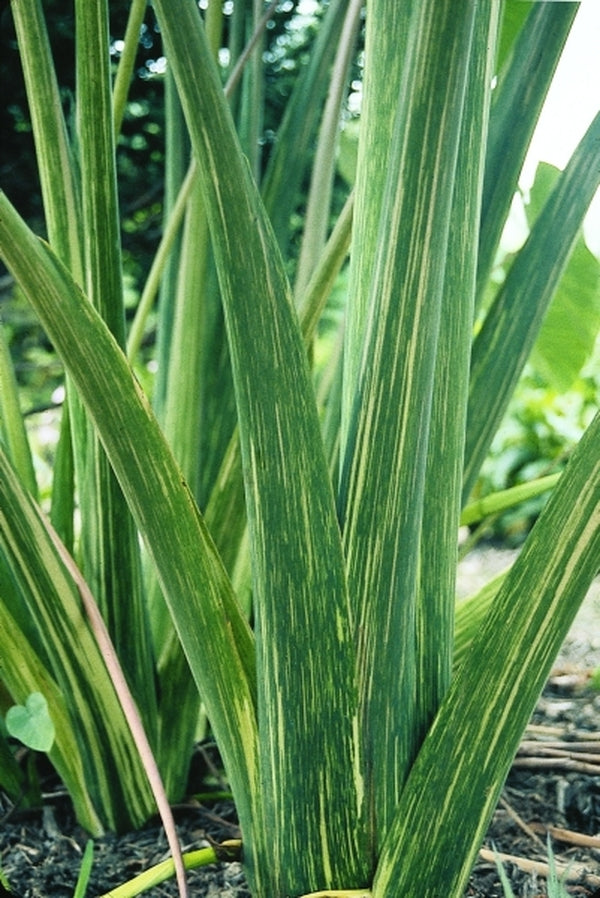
x=513 y=321
x=569 y=330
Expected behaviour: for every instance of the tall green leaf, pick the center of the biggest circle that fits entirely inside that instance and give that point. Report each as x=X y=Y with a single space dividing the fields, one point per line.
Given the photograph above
x=316 y=220
x=523 y=83
x=467 y=753
x=60 y=191
x=301 y=605
x=443 y=476
x=109 y=544
x=181 y=426
x=386 y=45
x=57 y=166
x=384 y=461
x=176 y=161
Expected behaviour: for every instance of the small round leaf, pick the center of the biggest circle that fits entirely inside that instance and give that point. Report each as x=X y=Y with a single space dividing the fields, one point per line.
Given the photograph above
x=31 y=723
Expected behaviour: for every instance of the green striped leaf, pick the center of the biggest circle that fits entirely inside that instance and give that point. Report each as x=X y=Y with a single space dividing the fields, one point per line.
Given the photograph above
x=443 y=476
x=52 y=650
x=523 y=83
x=60 y=191
x=109 y=548
x=467 y=753
x=12 y=424
x=288 y=162
x=469 y=615
x=318 y=204
x=193 y=580
x=301 y=605
x=166 y=261
x=386 y=45
x=183 y=412
x=384 y=461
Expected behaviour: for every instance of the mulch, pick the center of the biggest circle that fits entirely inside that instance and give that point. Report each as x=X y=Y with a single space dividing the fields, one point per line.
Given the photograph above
x=553 y=789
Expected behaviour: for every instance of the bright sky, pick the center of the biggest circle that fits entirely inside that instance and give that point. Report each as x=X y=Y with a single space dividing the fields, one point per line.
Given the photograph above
x=573 y=101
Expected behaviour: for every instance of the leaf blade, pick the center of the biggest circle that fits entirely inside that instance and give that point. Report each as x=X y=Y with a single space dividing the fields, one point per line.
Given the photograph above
x=476 y=734
x=193 y=579
x=298 y=571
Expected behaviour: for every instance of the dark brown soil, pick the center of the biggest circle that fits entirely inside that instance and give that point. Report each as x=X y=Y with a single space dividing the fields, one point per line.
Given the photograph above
x=555 y=782
x=41 y=853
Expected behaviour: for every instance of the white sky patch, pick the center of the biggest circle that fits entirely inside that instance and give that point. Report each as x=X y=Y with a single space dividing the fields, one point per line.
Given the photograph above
x=572 y=103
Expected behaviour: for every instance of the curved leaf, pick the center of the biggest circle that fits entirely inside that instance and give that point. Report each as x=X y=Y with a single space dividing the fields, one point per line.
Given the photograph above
x=52 y=650
x=214 y=633
x=478 y=729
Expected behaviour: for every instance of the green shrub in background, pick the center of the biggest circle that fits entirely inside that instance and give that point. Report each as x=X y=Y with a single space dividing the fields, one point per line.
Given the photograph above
x=557 y=395
x=360 y=756
x=540 y=430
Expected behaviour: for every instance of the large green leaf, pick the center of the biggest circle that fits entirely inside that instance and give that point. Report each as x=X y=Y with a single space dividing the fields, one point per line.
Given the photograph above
x=570 y=329
x=455 y=782
x=383 y=466
x=300 y=597
x=194 y=583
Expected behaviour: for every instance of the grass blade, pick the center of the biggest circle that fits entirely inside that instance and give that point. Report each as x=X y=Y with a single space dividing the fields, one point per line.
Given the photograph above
x=316 y=221
x=523 y=84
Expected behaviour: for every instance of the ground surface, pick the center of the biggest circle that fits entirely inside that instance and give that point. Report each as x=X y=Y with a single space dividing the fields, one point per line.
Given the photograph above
x=554 y=786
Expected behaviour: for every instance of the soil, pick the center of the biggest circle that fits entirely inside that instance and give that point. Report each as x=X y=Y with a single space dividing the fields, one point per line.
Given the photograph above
x=552 y=791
